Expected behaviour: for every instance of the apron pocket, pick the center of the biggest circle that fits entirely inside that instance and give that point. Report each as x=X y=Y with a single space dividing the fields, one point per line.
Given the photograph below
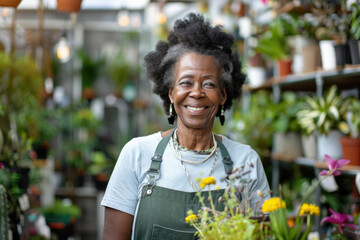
x=164 y=233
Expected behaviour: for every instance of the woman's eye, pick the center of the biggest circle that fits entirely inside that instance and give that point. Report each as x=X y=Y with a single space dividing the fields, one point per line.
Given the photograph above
x=185 y=83
x=209 y=84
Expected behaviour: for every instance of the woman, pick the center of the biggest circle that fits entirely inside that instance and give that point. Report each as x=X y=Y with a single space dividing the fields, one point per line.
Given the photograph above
x=153 y=184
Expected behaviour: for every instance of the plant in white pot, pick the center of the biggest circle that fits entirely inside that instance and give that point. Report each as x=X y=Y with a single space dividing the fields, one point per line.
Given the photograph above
x=323 y=115
x=351 y=143
x=287 y=139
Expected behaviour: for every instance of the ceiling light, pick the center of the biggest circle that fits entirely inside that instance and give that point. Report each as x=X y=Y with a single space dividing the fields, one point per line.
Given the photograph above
x=63 y=50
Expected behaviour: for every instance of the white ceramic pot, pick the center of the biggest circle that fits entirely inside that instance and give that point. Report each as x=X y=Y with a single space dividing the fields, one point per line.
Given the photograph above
x=327 y=52
x=309 y=145
x=256 y=76
x=287 y=144
x=330 y=145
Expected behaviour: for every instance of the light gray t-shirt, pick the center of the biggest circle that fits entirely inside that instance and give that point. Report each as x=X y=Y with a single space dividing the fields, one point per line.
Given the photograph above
x=129 y=175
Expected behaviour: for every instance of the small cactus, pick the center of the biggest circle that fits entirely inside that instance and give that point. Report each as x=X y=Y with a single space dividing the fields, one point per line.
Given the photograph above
x=4 y=223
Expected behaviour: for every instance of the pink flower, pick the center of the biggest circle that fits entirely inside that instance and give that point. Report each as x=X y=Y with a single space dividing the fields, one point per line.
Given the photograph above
x=339 y=219
x=333 y=165
x=264 y=1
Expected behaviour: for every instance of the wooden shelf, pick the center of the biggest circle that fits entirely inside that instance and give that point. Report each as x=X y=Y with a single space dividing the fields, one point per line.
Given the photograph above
x=348 y=169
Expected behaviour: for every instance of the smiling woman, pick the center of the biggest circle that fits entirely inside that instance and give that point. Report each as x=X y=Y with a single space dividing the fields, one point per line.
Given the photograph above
x=197 y=76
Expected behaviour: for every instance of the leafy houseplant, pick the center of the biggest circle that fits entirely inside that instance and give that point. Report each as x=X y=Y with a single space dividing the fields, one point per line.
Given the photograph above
x=254 y=126
x=286 y=136
x=273 y=44
x=323 y=115
x=90 y=70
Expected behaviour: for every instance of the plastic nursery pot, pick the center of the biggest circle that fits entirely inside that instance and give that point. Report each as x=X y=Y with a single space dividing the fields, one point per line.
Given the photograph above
x=351 y=150
x=342 y=54
x=354 y=46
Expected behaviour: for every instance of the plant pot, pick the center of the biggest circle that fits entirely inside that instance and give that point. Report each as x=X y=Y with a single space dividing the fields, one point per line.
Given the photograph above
x=10 y=3
x=68 y=5
x=287 y=144
x=284 y=67
x=351 y=149
x=311 y=58
x=327 y=52
x=309 y=145
x=354 y=46
x=256 y=76
x=342 y=54
x=330 y=145
x=306 y=54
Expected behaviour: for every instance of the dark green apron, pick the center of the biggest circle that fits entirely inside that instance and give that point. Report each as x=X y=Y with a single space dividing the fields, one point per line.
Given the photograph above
x=162 y=211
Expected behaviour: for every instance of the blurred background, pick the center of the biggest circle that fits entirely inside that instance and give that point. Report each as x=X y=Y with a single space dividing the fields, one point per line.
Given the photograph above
x=73 y=91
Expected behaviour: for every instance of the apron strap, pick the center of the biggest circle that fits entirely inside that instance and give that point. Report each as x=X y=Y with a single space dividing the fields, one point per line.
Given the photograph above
x=228 y=163
x=153 y=173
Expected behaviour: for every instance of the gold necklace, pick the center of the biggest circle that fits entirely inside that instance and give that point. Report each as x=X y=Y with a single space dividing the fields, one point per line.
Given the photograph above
x=188 y=175
x=175 y=147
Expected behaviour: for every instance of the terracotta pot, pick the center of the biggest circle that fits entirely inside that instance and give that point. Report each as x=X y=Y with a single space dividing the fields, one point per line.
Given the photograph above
x=9 y=3
x=68 y=5
x=351 y=149
x=284 y=67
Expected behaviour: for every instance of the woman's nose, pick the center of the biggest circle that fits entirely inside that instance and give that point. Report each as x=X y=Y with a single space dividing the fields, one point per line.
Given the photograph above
x=197 y=91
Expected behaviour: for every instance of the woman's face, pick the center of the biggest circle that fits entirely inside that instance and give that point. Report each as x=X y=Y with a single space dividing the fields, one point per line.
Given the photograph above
x=197 y=92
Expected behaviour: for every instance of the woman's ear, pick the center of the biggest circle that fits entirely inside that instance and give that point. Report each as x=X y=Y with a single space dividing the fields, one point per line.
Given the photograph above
x=170 y=94
x=224 y=96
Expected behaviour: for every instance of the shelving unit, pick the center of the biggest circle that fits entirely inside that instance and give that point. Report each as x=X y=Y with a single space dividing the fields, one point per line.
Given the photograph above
x=316 y=82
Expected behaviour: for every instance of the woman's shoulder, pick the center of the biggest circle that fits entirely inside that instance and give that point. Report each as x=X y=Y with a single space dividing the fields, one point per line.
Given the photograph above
x=235 y=147
x=144 y=141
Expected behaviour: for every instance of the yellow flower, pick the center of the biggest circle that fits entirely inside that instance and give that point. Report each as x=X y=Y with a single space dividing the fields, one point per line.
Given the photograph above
x=191 y=218
x=273 y=204
x=207 y=181
x=309 y=209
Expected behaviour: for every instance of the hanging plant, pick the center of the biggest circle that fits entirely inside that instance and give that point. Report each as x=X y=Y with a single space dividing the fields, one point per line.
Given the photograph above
x=9 y=3
x=68 y=5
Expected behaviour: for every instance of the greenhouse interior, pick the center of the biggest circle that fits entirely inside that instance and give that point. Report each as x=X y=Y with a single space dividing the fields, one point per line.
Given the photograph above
x=85 y=94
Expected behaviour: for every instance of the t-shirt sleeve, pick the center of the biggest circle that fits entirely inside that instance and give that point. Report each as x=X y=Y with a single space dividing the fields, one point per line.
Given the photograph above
x=122 y=190
x=259 y=182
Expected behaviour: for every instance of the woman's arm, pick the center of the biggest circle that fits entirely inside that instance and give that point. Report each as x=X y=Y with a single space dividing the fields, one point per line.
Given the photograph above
x=117 y=225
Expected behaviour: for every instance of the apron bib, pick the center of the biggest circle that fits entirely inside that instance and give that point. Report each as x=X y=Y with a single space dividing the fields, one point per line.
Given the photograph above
x=162 y=211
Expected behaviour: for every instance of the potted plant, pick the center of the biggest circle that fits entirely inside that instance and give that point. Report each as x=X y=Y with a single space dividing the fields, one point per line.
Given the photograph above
x=68 y=5
x=10 y=3
x=354 y=42
x=351 y=143
x=254 y=126
x=256 y=71
x=61 y=217
x=323 y=115
x=273 y=44
x=332 y=33
x=287 y=140
x=90 y=69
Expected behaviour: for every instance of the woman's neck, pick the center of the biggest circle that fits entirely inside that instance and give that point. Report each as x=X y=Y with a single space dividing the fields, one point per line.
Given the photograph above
x=195 y=139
